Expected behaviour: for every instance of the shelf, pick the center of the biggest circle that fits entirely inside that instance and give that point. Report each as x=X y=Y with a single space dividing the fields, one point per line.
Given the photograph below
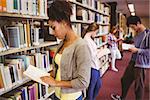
x=104 y=43
x=87 y=7
x=103 y=69
x=104 y=24
x=12 y=15
x=103 y=52
x=23 y=82
x=88 y=22
x=98 y=35
x=52 y=90
x=104 y=63
x=81 y=21
x=15 y=50
x=17 y=85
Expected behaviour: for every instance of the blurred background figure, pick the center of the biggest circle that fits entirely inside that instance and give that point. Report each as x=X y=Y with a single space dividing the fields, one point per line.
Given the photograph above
x=113 y=46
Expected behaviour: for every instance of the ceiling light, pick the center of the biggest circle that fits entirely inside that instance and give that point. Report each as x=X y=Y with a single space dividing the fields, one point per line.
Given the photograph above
x=133 y=13
x=131 y=7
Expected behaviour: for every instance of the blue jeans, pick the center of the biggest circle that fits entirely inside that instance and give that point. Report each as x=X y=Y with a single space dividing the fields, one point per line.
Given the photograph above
x=95 y=84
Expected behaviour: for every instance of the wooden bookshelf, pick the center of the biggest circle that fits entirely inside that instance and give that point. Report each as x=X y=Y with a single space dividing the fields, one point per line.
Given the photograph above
x=15 y=50
x=101 y=35
x=52 y=90
x=104 y=43
x=104 y=68
x=80 y=21
x=85 y=22
x=17 y=85
x=11 y=16
x=103 y=52
x=87 y=7
x=15 y=15
x=25 y=80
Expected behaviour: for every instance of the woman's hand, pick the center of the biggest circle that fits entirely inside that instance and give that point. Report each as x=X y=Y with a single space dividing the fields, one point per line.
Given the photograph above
x=118 y=40
x=49 y=80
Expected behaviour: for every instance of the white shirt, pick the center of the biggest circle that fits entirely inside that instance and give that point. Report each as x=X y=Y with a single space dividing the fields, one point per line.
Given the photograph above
x=93 y=50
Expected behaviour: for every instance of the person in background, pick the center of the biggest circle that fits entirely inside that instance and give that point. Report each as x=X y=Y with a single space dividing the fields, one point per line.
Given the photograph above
x=121 y=33
x=95 y=81
x=72 y=61
x=134 y=71
x=115 y=53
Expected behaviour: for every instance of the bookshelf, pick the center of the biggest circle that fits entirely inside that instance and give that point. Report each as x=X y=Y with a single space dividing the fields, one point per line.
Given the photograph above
x=15 y=50
x=18 y=20
x=14 y=15
x=17 y=85
x=88 y=7
x=86 y=12
x=26 y=80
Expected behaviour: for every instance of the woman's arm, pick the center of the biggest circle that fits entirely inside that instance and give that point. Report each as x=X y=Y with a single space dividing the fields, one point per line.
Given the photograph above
x=52 y=82
x=83 y=67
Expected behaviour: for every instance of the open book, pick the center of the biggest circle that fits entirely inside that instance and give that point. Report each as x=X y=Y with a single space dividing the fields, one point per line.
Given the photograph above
x=35 y=73
x=127 y=46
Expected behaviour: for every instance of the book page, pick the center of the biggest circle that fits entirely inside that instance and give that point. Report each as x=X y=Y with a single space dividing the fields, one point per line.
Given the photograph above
x=35 y=73
x=127 y=46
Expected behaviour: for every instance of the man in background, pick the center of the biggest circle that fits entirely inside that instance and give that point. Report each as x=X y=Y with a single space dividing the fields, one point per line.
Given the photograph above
x=135 y=71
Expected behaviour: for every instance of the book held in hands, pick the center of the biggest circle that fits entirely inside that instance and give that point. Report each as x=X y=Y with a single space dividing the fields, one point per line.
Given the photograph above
x=35 y=73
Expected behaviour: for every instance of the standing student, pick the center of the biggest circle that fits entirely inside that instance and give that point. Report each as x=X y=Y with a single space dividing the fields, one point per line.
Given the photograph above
x=139 y=61
x=121 y=33
x=95 y=81
x=72 y=69
x=113 y=46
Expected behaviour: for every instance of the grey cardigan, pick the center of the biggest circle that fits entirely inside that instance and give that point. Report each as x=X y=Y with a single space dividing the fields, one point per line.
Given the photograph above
x=75 y=66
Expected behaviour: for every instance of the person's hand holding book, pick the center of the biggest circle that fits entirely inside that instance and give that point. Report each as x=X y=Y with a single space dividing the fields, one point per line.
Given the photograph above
x=48 y=80
x=133 y=49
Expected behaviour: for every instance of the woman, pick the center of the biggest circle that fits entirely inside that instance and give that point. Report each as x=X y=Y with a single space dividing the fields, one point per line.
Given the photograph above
x=71 y=73
x=95 y=81
x=115 y=53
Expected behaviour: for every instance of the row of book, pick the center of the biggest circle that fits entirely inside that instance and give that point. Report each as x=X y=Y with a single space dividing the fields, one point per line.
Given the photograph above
x=29 y=91
x=95 y=4
x=26 y=7
x=13 y=66
x=103 y=30
x=80 y=13
x=99 y=41
x=21 y=35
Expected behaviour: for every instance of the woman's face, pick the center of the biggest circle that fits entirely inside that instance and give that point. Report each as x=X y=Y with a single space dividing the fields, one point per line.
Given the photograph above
x=134 y=27
x=58 y=29
x=94 y=33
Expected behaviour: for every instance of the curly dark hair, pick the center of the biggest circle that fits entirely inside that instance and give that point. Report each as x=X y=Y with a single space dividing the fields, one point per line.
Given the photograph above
x=60 y=10
x=133 y=20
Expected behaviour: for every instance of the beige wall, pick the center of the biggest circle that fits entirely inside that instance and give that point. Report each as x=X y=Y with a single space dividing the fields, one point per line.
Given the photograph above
x=146 y=21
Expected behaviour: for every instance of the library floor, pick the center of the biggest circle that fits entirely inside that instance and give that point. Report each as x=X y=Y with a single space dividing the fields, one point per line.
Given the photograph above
x=111 y=81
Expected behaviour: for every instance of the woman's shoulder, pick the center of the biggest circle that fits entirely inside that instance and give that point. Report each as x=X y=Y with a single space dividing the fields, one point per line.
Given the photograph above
x=81 y=41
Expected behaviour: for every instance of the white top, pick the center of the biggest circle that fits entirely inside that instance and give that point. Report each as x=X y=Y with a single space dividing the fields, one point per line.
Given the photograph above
x=93 y=50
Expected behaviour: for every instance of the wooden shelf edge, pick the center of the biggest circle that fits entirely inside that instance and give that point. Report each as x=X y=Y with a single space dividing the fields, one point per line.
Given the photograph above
x=15 y=50
x=87 y=7
x=51 y=92
x=6 y=14
x=101 y=45
x=17 y=85
x=103 y=52
x=104 y=71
